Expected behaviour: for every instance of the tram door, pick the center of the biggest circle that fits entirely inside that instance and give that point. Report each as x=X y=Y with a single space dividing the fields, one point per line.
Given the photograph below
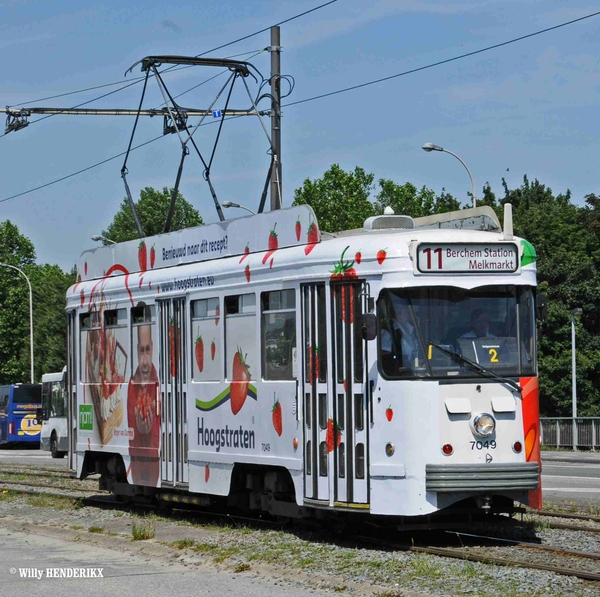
x=316 y=403
x=350 y=424
x=71 y=389
x=173 y=382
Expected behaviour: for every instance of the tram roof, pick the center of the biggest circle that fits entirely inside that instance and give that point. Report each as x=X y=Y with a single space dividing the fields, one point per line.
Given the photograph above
x=294 y=226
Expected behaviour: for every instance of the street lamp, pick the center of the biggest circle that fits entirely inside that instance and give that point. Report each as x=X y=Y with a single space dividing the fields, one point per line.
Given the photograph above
x=98 y=238
x=431 y=147
x=30 y=312
x=231 y=204
x=574 y=313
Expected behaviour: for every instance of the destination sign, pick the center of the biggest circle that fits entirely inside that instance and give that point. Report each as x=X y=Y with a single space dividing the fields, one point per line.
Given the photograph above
x=489 y=258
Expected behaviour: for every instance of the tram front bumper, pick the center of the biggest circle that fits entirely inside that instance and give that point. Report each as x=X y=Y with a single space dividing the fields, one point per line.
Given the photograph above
x=447 y=478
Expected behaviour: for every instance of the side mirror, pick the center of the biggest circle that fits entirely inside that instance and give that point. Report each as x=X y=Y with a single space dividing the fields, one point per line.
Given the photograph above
x=369 y=326
x=39 y=415
x=541 y=310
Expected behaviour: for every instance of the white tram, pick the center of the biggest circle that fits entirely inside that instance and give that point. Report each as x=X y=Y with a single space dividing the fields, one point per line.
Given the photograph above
x=389 y=369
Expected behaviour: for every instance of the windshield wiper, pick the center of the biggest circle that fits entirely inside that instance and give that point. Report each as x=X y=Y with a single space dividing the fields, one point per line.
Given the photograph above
x=477 y=367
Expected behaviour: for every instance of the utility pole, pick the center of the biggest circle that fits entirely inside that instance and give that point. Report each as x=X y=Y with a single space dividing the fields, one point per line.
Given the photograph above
x=275 y=50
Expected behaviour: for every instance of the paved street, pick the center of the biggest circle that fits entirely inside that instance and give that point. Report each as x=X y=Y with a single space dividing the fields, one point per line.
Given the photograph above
x=571 y=476
x=123 y=573
x=37 y=457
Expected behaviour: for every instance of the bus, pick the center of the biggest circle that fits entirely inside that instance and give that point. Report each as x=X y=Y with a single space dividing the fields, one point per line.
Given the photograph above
x=389 y=370
x=18 y=413
x=53 y=415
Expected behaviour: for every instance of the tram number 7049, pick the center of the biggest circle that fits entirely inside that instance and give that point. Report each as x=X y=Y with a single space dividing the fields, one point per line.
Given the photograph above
x=486 y=445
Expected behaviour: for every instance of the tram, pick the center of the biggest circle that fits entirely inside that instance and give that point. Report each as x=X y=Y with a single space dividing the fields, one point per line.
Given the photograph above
x=389 y=370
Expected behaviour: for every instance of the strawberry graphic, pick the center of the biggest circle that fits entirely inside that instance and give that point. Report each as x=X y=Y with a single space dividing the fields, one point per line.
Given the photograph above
x=85 y=268
x=344 y=270
x=389 y=413
x=277 y=418
x=206 y=473
x=271 y=263
x=246 y=253
x=381 y=255
x=200 y=353
x=345 y=385
x=312 y=237
x=142 y=256
x=273 y=244
x=298 y=229
x=141 y=280
x=333 y=437
x=238 y=389
x=213 y=350
x=217 y=315
x=247 y=272
x=358 y=257
x=82 y=297
x=152 y=256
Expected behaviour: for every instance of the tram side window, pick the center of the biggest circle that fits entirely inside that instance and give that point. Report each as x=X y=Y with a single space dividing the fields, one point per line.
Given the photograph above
x=241 y=354
x=90 y=348
x=206 y=340
x=144 y=347
x=116 y=348
x=278 y=336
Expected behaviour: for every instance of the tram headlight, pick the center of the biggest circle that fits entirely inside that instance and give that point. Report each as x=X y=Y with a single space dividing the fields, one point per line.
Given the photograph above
x=484 y=425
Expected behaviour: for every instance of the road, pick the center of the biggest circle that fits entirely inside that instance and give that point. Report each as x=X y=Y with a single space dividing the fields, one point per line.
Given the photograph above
x=567 y=476
x=574 y=477
x=31 y=562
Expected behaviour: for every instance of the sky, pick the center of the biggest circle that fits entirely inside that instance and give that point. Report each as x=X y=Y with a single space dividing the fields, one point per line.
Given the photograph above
x=528 y=108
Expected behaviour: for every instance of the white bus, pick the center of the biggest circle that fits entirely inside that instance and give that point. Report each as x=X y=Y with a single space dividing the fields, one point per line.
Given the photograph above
x=54 y=435
x=389 y=370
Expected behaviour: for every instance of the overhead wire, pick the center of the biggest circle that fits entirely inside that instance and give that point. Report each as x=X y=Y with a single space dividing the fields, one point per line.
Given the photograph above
x=175 y=68
x=339 y=91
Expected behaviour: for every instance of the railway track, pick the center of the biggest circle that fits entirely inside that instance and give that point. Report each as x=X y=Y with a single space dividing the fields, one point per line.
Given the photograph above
x=512 y=552
x=469 y=554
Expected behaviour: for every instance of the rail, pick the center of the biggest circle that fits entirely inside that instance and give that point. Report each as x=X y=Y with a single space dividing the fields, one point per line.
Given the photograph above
x=560 y=432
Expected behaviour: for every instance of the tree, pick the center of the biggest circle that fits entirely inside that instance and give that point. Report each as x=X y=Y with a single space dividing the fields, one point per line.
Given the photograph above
x=18 y=251
x=339 y=199
x=568 y=252
x=407 y=200
x=50 y=284
x=152 y=209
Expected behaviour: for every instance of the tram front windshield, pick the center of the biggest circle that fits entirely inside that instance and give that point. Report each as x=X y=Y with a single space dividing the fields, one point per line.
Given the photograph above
x=424 y=332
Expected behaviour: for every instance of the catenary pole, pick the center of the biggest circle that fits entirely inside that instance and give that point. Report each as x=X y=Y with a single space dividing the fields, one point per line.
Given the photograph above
x=275 y=50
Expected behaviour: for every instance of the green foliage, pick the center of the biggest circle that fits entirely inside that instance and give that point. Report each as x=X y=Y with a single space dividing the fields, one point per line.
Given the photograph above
x=152 y=209
x=49 y=286
x=339 y=199
x=406 y=199
x=15 y=250
x=568 y=248
x=342 y=200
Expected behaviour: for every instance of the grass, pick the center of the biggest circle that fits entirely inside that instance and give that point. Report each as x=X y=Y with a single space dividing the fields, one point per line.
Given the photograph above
x=182 y=543
x=219 y=553
x=95 y=529
x=241 y=567
x=423 y=566
x=143 y=529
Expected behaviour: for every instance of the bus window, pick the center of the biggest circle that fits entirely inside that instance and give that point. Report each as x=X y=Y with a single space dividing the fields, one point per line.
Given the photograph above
x=278 y=336
x=241 y=356
x=206 y=340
